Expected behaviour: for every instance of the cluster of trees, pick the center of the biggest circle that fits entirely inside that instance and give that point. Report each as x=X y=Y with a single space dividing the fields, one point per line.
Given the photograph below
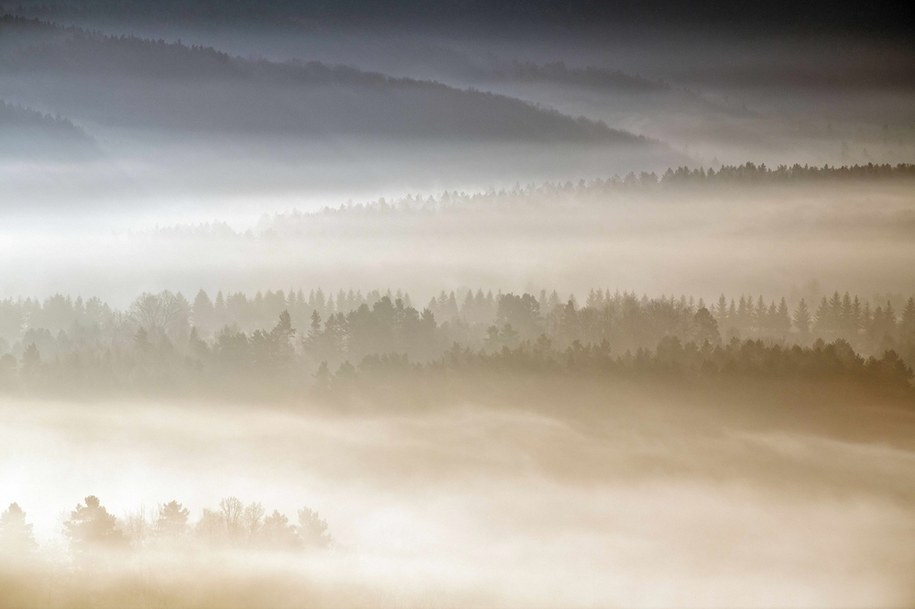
x=174 y=313
x=164 y=341
x=91 y=528
x=838 y=316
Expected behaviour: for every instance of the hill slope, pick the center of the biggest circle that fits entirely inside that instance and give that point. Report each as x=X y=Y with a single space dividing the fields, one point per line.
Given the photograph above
x=128 y=81
x=25 y=132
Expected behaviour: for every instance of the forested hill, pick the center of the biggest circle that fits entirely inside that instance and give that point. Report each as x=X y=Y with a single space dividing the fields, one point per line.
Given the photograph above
x=13 y=116
x=555 y=195
x=134 y=82
x=27 y=132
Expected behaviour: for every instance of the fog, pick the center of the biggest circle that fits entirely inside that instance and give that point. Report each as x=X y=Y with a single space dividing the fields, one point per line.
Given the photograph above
x=456 y=304
x=474 y=498
x=771 y=238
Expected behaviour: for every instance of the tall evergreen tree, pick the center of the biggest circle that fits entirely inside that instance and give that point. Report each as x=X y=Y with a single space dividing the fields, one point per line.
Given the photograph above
x=802 y=318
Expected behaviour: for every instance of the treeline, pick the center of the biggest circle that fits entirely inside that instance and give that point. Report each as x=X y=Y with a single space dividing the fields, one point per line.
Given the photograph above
x=350 y=323
x=28 y=133
x=551 y=193
x=559 y=72
x=14 y=116
x=672 y=358
x=164 y=344
x=90 y=529
x=550 y=197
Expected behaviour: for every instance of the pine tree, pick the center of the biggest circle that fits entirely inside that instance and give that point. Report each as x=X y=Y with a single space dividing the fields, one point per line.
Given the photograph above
x=16 y=537
x=782 y=323
x=172 y=520
x=90 y=527
x=721 y=310
x=802 y=318
x=202 y=312
x=744 y=313
x=847 y=315
x=823 y=323
x=760 y=314
x=907 y=324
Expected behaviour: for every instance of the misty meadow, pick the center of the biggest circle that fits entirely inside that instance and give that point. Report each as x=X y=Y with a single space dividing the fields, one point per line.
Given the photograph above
x=456 y=304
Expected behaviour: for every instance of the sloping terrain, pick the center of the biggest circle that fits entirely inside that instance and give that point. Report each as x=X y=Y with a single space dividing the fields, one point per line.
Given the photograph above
x=27 y=133
x=132 y=82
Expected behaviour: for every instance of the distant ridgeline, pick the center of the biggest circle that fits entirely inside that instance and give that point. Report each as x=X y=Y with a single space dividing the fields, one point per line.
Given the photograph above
x=283 y=342
x=556 y=194
x=24 y=131
x=12 y=116
x=727 y=175
x=120 y=81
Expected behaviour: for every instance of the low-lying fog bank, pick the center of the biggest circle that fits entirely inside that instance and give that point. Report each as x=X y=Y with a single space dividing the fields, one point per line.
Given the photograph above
x=738 y=237
x=517 y=493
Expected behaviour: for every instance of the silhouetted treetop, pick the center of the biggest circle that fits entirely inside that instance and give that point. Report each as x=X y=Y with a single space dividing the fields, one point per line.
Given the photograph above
x=90 y=528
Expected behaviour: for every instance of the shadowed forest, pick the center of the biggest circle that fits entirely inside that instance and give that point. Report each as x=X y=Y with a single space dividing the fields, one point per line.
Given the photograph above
x=456 y=304
x=165 y=344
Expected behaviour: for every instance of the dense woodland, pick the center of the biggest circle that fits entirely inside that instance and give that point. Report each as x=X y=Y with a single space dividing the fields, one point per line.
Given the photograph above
x=287 y=341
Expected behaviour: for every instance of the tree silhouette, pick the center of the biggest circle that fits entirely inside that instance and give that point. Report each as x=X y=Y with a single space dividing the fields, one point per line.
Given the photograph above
x=277 y=533
x=160 y=313
x=16 y=539
x=232 y=511
x=312 y=529
x=31 y=359
x=211 y=527
x=802 y=318
x=252 y=521
x=705 y=328
x=90 y=527
x=172 y=520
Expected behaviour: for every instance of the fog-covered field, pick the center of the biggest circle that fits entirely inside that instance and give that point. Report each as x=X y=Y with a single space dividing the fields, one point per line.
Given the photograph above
x=531 y=492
